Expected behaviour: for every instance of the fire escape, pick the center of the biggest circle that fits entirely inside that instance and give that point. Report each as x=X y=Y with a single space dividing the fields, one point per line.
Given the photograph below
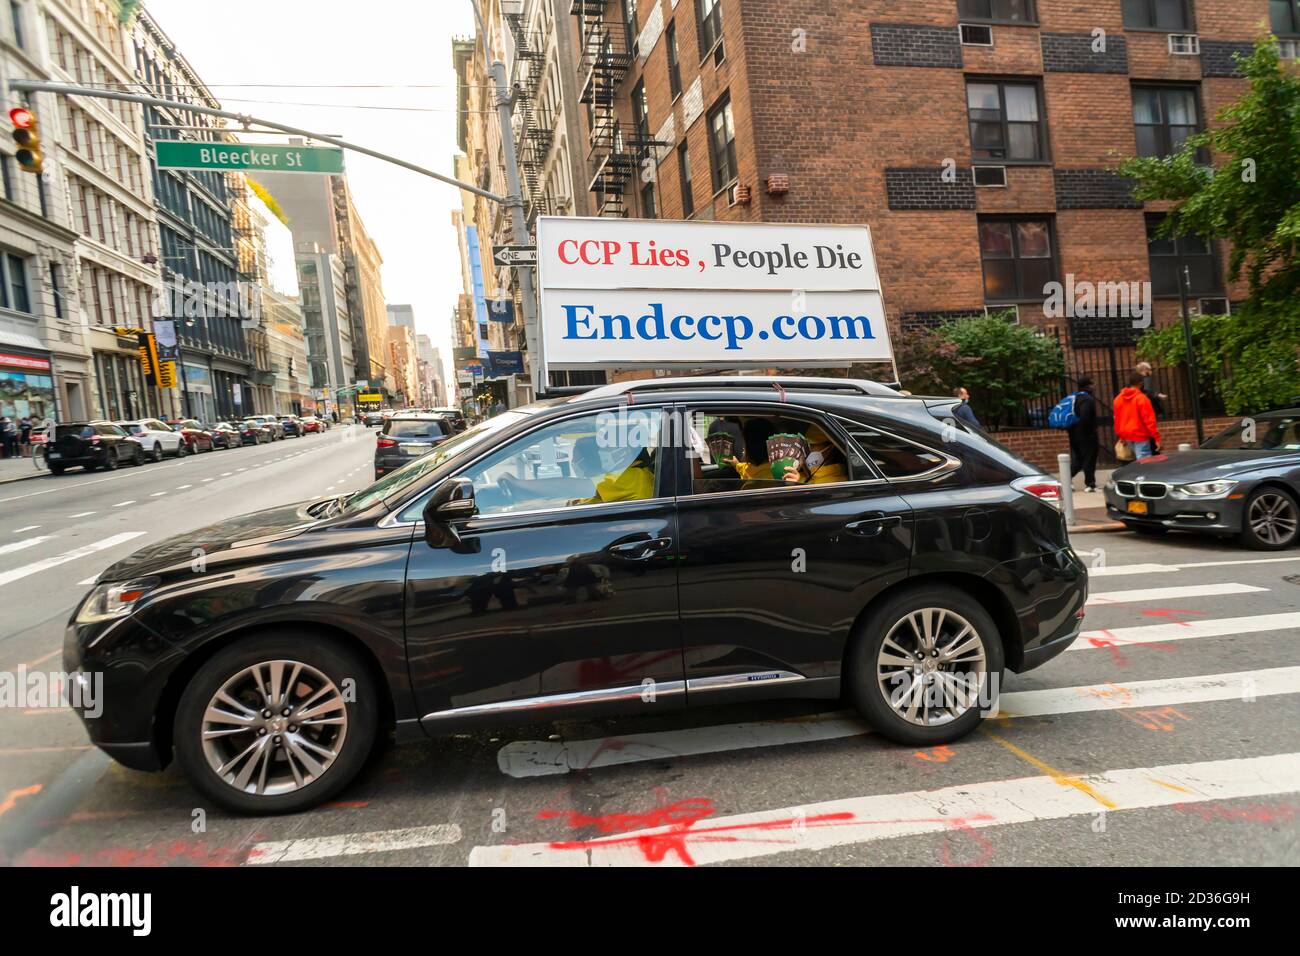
x=534 y=126
x=605 y=62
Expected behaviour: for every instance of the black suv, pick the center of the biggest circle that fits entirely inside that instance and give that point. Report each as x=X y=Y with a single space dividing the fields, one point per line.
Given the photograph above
x=408 y=436
x=639 y=548
x=92 y=445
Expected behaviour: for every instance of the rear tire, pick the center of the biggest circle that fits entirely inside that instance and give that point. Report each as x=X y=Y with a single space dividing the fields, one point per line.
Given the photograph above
x=1270 y=521
x=138 y=459
x=289 y=781
x=56 y=469
x=902 y=696
x=110 y=460
x=156 y=454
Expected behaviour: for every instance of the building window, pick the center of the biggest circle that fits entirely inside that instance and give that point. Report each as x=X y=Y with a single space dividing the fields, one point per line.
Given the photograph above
x=1169 y=256
x=648 y=201
x=709 y=15
x=674 y=64
x=629 y=23
x=1018 y=258
x=16 y=15
x=1164 y=117
x=722 y=144
x=1005 y=122
x=6 y=173
x=997 y=11
x=13 y=292
x=684 y=180
x=1172 y=15
x=1284 y=17
x=56 y=291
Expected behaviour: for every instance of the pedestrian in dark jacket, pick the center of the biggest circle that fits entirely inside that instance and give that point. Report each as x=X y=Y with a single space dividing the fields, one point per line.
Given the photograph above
x=1083 y=435
x=1150 y=390
x=964 y=411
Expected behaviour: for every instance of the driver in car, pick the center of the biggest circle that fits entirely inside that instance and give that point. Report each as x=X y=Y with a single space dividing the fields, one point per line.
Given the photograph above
x=633 y=479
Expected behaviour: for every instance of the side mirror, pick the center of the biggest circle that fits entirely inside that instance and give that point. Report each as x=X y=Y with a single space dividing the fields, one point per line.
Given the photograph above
x=452 y=499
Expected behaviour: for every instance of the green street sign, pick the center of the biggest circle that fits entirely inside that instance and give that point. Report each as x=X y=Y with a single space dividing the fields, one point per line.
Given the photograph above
x=254 y=157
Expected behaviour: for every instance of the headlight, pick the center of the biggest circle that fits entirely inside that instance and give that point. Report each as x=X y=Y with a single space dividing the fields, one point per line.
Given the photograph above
x=1204 y=489
x=108 y=601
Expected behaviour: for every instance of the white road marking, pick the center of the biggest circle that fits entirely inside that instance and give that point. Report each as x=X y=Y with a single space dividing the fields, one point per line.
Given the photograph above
x=26 y=527
x=1123 y=569
x=64 y=486
x=90 y=580
x=859 y=820
x=6 y=577
x=353 y=844
x=207 y=479
x=1160 y=594
x=1185 y=630
x=123 y=504
x=226 y=474
x=183 y=487
x=158 y=494
x=82 y=514
x=542 y=758
x=24 y=544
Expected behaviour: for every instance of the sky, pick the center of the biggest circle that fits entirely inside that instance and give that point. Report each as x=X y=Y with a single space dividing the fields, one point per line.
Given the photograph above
x=305 y=52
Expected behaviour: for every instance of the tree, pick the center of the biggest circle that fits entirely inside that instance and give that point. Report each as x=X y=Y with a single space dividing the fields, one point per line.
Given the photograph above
x=1002 y=364
x=1251 y=200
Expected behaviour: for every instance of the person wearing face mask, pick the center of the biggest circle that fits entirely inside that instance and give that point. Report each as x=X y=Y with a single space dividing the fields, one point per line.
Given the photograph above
x=824 y=464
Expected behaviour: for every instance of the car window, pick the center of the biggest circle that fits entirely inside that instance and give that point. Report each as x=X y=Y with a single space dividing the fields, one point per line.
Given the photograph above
x=421 y=428
x=1263 y=433
x=731 y=451
x=136 y=429
x=80 y=431
x=895 y=457
x=592 y=459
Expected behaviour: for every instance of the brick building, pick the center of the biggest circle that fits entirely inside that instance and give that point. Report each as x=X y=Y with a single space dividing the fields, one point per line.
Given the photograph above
x=982 y=156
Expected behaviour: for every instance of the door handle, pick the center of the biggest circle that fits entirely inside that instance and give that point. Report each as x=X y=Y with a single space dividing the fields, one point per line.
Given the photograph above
x=872 y=524
x=640 y=549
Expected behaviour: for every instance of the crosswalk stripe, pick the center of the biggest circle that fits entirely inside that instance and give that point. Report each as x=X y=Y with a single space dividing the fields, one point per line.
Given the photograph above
x=540 y=758
x=1185 y=630
x=1136 y=569
x=859 y=820
x=7 y=577
x=24 y=544
x=1164 y=594
x=353 y=844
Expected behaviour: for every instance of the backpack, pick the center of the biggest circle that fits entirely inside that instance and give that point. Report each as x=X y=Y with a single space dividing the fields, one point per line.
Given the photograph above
x=1062 y=414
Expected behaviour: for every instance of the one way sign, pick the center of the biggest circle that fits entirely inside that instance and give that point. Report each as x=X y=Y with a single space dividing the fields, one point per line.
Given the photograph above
x=514 y=255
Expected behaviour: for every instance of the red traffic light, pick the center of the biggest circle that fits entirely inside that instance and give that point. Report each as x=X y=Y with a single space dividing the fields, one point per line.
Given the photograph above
x=21 y=117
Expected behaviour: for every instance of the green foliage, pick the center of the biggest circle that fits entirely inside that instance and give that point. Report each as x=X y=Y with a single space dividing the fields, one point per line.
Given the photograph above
x=1251 y=201
x=1000 y=363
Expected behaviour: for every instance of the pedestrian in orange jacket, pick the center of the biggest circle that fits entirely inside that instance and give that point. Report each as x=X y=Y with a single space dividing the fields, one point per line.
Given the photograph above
x=1135 y=419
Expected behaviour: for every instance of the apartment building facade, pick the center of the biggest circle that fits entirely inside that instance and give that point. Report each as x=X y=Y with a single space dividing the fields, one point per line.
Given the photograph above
x=978 y=138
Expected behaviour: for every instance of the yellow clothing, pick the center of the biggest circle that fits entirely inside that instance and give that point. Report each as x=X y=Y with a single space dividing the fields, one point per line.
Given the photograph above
x=831 y=472
x=636 y=483
x=750 y=472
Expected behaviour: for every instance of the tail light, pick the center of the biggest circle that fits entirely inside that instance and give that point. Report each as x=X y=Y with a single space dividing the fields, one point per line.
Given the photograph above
x=94 y=439
x=1039 y=486
x=385 y=442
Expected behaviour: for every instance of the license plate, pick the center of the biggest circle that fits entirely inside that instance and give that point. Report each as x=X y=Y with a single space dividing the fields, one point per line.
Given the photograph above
x=414 y=449
x=1137 y=507
x=54 y=454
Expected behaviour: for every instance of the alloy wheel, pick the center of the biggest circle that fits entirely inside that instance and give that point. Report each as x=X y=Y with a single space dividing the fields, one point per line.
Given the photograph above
x=932 y=667
x=274 y=728
x=1273 y=518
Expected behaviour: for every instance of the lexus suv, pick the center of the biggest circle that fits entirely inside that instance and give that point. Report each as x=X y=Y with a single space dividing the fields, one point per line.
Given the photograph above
x=635 y=549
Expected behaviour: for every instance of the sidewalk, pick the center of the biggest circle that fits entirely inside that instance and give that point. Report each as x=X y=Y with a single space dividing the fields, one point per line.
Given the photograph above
x=16 y=469
x=1090 y=507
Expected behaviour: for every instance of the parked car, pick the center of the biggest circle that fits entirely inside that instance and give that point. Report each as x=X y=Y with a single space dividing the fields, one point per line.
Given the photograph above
x=192 y=432
x=1243 y=482
x=311 y=425
x=315 y=626
x=273 y=423
x=156 y=437
x=225 y=435
x=254 y=431
x=292 y=426
x=404 y=437
x=453 y=415
x=92 y=445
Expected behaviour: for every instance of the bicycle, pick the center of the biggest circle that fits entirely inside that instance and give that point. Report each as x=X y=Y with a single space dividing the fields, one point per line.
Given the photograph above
x=38 y=458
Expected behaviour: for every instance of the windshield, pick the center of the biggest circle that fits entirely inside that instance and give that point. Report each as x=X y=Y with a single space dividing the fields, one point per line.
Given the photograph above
x=1265 y=433
x=395 y=482
x=413 y=428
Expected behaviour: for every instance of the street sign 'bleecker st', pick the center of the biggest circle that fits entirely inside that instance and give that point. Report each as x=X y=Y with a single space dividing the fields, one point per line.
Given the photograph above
x=174 y=154
x=626 y=293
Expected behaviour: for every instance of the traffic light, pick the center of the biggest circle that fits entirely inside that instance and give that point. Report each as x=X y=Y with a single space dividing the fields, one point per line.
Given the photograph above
x=27 y=136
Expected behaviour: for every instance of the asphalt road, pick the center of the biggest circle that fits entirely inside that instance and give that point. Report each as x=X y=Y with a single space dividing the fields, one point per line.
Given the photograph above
x=1169 y=735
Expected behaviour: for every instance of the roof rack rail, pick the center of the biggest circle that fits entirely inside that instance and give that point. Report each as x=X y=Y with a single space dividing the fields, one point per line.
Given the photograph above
x=783 y=383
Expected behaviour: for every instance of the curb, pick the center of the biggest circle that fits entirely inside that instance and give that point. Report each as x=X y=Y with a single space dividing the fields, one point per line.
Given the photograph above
x=34 y=474
x=1103 y=527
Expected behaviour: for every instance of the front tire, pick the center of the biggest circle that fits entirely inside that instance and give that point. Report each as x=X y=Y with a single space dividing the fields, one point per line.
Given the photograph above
x=265 y=726
x=1271 y=520
x=926 y=666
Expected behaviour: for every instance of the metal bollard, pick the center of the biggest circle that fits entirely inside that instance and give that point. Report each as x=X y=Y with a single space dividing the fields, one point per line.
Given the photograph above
x=1067 y=488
